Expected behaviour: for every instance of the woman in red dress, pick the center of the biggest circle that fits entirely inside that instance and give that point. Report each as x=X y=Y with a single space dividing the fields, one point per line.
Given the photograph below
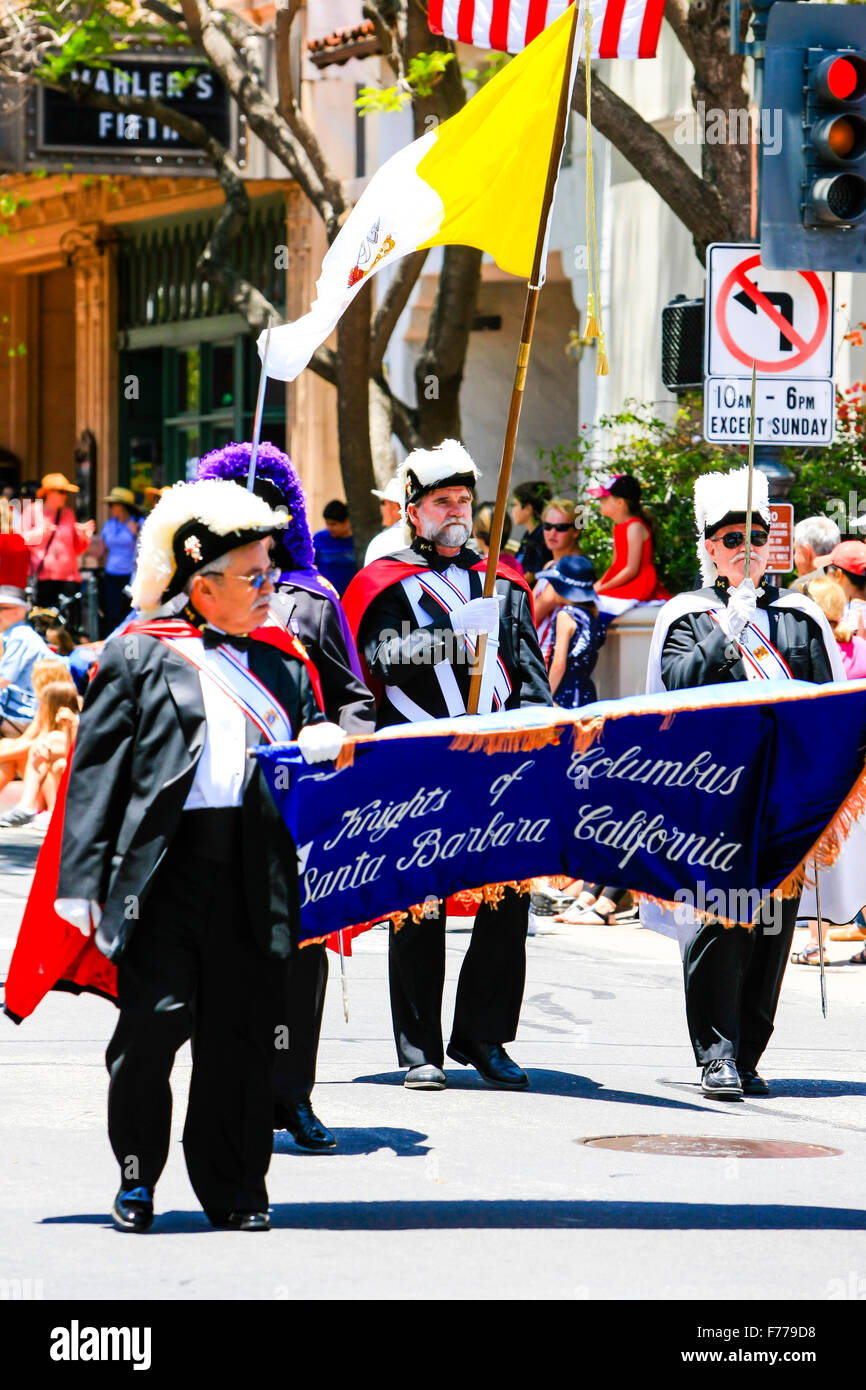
x=632 y=574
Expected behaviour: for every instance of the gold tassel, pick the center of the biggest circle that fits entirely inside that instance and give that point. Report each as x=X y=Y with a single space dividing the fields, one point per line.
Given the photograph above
x=591 y=330
x=601 y=367
x=594 y=326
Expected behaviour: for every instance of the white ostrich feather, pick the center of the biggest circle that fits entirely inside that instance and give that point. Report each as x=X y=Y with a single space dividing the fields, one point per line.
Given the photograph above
x=221 y=505
x=716 y=494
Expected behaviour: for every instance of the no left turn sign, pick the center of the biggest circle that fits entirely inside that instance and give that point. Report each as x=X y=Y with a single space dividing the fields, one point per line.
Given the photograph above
x=781 y=318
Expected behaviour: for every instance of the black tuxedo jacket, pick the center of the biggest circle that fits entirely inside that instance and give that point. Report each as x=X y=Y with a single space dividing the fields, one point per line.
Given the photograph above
x=400 y=652
x=140 y=737
x=313 y=618
x=697 y=651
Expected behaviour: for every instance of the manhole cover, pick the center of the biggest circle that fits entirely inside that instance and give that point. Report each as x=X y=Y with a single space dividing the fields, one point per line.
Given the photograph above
x=696 y=1146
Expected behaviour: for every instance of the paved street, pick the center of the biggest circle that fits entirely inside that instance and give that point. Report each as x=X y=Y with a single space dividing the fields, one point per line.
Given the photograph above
x=468 y=1193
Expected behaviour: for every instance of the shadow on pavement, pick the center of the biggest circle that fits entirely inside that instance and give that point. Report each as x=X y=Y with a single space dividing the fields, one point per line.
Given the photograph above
x=517 y=1215
x=405 y=1143
x=816 y=1088
x=541 y=1083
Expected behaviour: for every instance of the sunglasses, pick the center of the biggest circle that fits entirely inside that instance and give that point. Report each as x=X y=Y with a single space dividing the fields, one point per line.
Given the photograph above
x=558 y=526
x=736 y=538
x=255 y=581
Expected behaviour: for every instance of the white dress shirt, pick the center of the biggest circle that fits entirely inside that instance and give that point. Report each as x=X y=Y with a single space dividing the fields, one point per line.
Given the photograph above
x=219 y=775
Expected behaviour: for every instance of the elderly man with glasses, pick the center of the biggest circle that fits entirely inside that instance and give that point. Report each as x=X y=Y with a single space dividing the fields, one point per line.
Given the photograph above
x=175 y=855
x=737 y=628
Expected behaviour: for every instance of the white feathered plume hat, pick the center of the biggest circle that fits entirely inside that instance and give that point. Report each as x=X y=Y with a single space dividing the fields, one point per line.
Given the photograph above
x=448 y=465
x=721 y=499
x=192 y=525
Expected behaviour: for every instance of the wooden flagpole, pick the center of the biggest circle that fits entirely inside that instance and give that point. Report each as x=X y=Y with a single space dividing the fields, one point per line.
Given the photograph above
x=533 y=290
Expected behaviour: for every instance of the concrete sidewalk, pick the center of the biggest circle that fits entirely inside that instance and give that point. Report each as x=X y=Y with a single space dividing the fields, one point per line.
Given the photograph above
x=468 y=1193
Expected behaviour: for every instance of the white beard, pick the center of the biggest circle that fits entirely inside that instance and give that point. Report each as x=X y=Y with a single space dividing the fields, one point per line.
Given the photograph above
x=456 y=533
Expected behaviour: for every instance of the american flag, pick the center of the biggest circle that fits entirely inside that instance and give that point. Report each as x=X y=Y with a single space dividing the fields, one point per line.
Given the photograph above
x=621 y=28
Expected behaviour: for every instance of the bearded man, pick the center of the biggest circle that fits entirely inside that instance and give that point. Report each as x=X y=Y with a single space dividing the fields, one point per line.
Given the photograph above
x=418 y=614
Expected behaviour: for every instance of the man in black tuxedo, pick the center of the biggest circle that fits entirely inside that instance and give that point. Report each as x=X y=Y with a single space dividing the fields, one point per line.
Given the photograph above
x=737 y=628
x=412 y=611
x=174 y=850
x=307 y=606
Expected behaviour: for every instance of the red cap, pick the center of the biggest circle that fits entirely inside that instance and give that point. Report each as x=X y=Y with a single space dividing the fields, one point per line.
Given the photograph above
x=848 y=555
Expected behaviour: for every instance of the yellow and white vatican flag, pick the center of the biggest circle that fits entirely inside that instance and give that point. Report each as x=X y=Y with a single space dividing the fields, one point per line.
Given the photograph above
x=477 y=180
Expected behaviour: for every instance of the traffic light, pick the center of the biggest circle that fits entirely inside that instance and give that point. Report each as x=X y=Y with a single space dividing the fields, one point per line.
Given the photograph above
x=813 y=186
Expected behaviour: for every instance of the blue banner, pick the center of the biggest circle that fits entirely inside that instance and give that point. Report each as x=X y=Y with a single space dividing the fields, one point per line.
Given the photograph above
x=720 y=790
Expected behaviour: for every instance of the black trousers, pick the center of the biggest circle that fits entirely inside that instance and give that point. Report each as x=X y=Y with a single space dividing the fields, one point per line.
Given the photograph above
x=116 y=603
x=489 y=991
x=733 y=978
x=192 y=969
x=304 y=1000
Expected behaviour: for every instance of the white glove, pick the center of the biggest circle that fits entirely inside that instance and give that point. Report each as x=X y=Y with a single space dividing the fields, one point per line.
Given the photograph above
x=320 y=743
x=478 y=615
x=742 y=605
x=80 y=913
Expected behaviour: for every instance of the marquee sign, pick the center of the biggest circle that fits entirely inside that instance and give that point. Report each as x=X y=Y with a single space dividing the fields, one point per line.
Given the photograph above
x=128 y=142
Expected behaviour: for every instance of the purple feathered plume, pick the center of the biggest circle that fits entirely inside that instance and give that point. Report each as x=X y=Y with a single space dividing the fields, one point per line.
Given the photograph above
x=233 y=462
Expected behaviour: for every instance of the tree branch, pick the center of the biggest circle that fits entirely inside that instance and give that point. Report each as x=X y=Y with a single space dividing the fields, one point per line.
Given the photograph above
x=677 y=16
x=694 y=202
x=404 y=420
x=393 y=303
x=385 y=34
x=262 y=114
x=324 y=363
x=165 y=12
x=288 y=106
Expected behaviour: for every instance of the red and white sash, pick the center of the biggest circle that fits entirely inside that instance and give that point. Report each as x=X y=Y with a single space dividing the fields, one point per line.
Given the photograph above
x=760 y=658
x=447 y=593
x=232 y=677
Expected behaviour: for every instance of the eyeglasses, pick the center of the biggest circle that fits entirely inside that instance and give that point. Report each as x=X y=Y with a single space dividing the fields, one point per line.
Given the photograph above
x=255 y=581
x=734 y=538
x=558 y=525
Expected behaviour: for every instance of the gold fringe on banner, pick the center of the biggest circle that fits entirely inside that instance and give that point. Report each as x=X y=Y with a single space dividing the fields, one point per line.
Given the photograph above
x=830 y=842
x=491 y=893
x=346 y=755
x=514 y=741
x=586 y=732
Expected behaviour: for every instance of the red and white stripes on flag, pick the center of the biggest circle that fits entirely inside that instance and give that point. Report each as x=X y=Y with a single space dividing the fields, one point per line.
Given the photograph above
x=621 y=28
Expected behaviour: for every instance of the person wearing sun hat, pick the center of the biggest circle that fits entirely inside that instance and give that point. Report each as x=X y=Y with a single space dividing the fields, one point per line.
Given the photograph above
x=579 y=633
x=55 y=540
x=736 y=628
x=308 y=606
x=119 y=535
x=390 y=539
x=174 y=856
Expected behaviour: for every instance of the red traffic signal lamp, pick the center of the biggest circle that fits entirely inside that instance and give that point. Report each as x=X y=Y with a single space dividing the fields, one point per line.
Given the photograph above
x=813 y=187
x=834 y=121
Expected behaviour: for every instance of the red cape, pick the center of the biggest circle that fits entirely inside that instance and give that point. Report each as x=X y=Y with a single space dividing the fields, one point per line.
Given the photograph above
x=373 y=579
x=49 y=952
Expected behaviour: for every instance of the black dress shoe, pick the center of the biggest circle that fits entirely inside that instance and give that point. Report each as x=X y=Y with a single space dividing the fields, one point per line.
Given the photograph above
x=133 y=1209
x=242 y=1221
x=425 y=1077
x=305 y=1128
x=752 y=1083
x=492 y=1062
x=721 y=1080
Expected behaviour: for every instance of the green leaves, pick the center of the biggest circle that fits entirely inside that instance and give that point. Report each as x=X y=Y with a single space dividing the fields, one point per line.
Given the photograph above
x=422 y=75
